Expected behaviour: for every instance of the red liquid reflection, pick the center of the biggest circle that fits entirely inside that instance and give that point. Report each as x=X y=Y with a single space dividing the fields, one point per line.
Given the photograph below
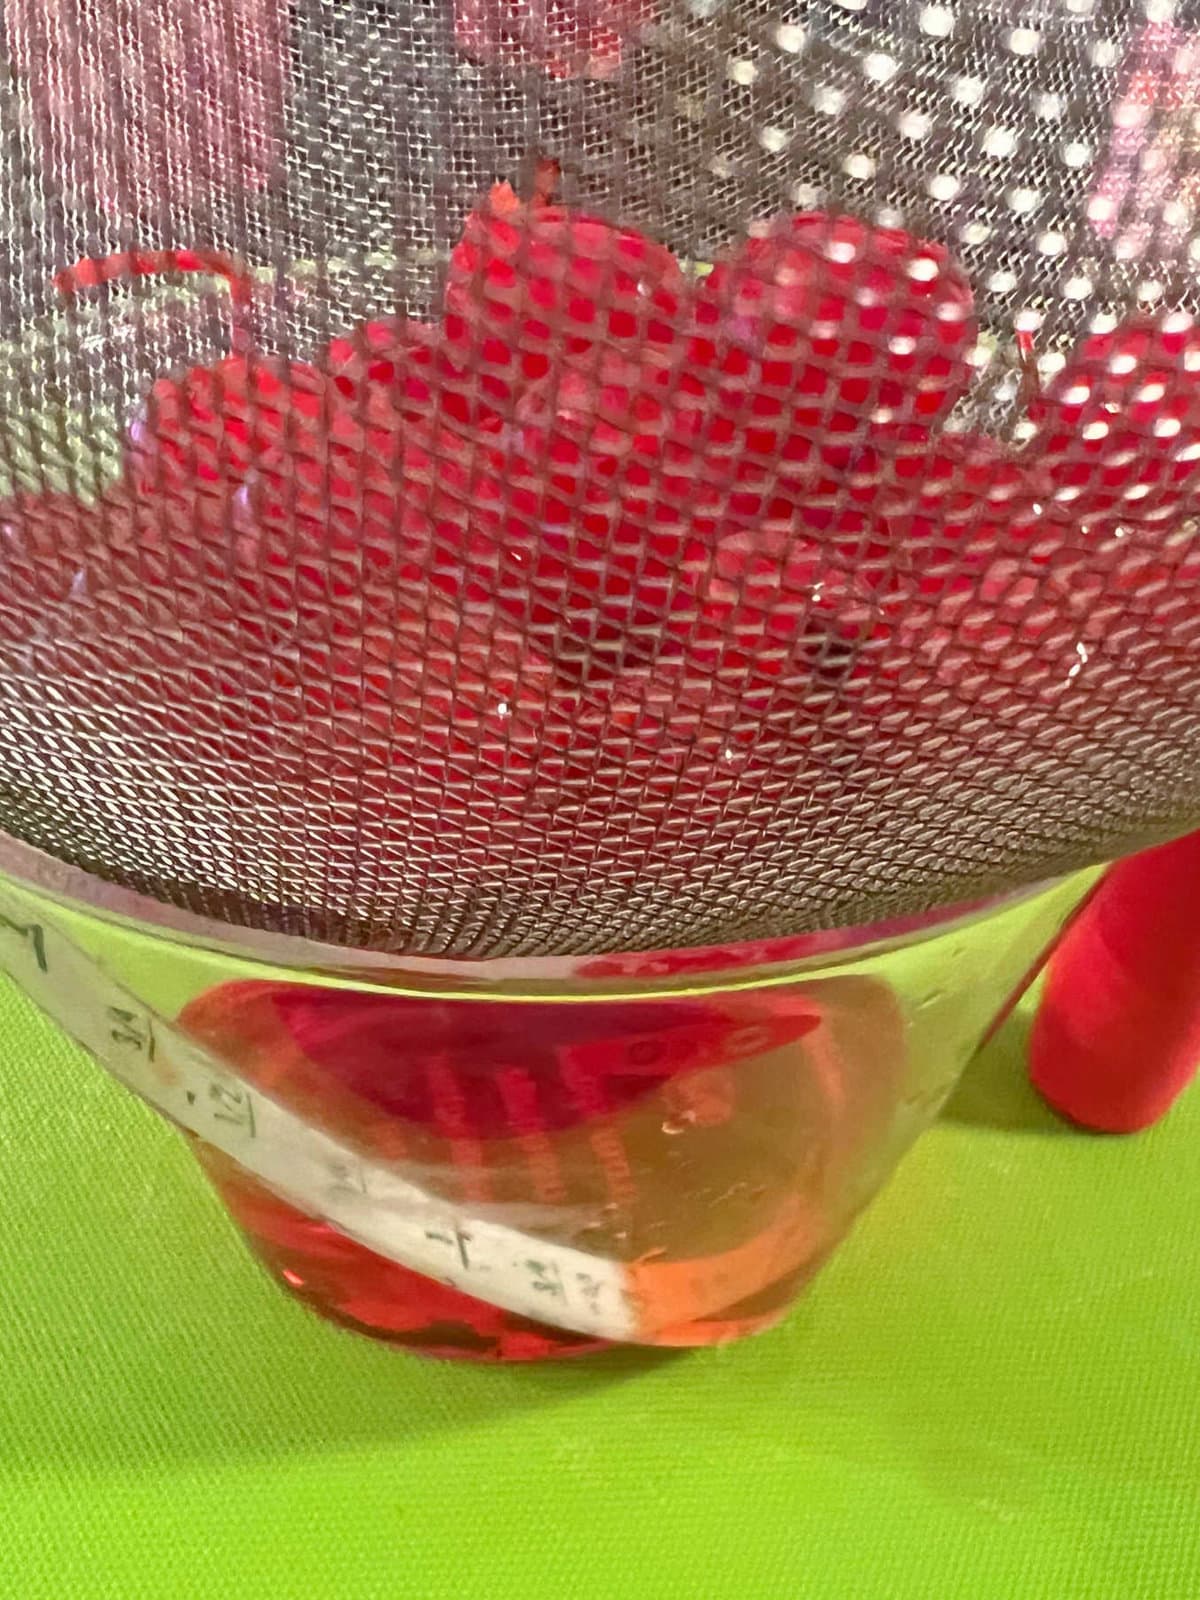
x=680 y=1131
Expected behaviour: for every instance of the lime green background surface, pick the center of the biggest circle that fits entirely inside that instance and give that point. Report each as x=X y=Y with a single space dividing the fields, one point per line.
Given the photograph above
x=994 y=1390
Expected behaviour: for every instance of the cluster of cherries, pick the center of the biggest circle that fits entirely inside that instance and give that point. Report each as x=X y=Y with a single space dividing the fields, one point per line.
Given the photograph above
x=611 y=500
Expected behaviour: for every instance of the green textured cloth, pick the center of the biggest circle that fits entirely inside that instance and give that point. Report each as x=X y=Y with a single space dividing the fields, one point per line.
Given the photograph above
x=992 y=1391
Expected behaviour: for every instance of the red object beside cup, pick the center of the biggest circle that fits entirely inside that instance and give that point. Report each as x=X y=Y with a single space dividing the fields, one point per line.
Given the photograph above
x=1117 y=1037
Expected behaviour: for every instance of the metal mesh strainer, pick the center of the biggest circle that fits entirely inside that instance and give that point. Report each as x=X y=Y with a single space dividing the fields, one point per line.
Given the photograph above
x=780 y=597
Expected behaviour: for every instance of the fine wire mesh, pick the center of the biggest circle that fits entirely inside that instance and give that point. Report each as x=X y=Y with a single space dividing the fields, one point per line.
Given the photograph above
x=302 y=732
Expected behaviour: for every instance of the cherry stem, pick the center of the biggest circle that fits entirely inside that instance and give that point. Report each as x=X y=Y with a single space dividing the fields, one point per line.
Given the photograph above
x=93 y=271
x=546 y=176
x=1031 y=386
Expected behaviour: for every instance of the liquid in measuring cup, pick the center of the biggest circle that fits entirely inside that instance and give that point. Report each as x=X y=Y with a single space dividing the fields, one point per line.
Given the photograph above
x=508 y=1175
x=709 y=1150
